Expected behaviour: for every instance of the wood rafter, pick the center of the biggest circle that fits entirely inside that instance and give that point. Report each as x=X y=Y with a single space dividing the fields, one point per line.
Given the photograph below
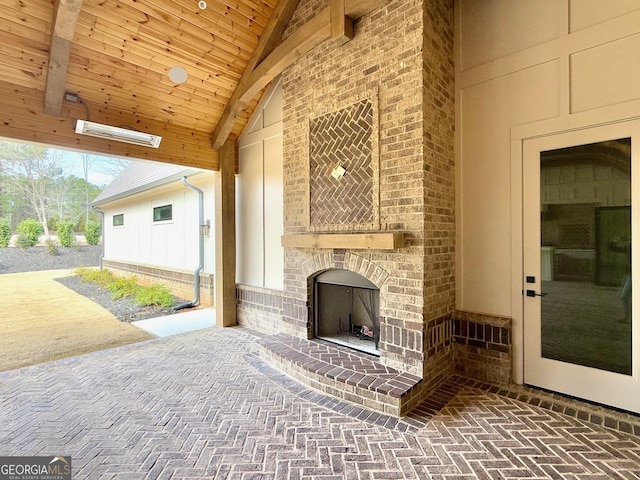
x=116 y=55
x=65 y=19
x=341 y=24
x=331 y=22
x=271 y=36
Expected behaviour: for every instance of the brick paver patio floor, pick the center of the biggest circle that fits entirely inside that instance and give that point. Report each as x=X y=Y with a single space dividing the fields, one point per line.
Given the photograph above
x=204 y=405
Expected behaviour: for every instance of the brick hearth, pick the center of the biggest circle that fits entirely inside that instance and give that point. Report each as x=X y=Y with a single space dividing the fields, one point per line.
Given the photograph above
x=344 y=373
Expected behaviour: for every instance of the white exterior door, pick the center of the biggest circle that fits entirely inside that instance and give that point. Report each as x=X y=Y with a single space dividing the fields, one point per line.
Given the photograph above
x=580 y=217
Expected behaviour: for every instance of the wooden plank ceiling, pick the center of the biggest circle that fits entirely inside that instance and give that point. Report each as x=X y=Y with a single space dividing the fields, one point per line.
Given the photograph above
x=115 y=55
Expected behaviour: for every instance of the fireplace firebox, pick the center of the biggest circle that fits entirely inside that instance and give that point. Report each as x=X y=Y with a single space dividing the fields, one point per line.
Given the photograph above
x=346 y=309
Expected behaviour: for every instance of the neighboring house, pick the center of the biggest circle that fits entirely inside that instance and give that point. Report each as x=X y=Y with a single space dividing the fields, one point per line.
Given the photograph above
x=151 y=227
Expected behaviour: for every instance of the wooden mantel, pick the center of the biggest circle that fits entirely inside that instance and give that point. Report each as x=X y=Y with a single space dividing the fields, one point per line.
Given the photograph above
x=372 y=240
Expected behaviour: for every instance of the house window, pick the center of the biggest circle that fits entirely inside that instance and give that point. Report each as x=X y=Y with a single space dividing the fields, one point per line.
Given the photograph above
x=162 y=214
x=118 y=220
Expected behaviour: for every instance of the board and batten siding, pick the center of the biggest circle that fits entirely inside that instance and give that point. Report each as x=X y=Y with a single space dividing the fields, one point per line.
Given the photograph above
x=169 y=244
x=259 y=197
x=521 y=63
x=525 y=69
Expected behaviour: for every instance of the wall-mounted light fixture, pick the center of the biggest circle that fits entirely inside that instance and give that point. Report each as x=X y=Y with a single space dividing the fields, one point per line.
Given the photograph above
x=117 y=134
x=205 y=228
x=338 y=172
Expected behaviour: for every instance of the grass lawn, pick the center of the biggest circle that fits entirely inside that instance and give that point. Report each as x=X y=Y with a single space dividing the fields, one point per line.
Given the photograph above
x=42 y=320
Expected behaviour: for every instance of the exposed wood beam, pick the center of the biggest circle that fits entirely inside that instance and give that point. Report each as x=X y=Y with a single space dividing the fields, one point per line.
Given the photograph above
x=357 y=8
x=65 y=19
x=56 y=75
x=341 y=25
x=311 y=34
x=24 y=120
x=271 y=36
x=371 y=240
x=66 y=16
x=303 y=40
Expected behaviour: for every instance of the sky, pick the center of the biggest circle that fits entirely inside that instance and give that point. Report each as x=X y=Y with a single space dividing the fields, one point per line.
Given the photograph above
x=100 y=172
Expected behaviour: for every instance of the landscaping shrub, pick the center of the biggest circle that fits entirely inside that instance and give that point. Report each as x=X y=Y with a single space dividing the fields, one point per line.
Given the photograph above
x=66 y=233
x=5 y=232
x=92 y=232
x=23 y=241
x=52 y=247
x=121 y=287
x=30 y=230
x=155 y=294
x=99 y=277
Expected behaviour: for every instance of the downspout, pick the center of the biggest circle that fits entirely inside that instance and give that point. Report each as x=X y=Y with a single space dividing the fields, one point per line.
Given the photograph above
x=201 y=233
x=101 y=213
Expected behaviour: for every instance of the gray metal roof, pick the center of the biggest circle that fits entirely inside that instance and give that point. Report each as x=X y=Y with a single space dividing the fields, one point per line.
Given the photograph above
x=141 y=176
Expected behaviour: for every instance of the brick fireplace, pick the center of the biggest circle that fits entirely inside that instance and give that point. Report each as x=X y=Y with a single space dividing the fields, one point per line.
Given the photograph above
x=369 y=189
x=381 y=107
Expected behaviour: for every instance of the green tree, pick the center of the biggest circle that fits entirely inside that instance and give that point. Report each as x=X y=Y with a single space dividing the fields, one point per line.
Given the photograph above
x=33 y=184
x=29 y=171
x=69 y=199
x=12 y=206
x=5 y=232
x=87 y=161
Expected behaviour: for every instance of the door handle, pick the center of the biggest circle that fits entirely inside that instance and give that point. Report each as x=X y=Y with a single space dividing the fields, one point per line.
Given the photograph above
x=533 y=293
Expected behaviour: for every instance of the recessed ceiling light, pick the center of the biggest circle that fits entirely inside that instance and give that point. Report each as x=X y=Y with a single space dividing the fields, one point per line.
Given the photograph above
x=178 y=75
x=202 y=4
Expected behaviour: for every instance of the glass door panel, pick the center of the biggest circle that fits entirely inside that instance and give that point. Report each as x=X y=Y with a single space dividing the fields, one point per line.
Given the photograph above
x=579 y=222
x=585 y=224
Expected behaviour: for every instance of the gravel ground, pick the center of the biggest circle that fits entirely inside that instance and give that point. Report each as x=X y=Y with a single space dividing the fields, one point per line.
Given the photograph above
x=18 y=260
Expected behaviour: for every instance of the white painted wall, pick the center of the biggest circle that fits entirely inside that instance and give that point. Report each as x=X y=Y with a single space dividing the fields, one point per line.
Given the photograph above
x=562 y=62
x=259 y=197
x=484 y=211
x=525 y=69
x=170 y=244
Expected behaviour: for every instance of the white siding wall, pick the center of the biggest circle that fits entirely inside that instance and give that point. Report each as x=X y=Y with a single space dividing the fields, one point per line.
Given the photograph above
x=484 y=210
x=249 y=216
x=525 y=69
x=550 y=65
x=170 y=244
x=274 y=212
x=259 y=197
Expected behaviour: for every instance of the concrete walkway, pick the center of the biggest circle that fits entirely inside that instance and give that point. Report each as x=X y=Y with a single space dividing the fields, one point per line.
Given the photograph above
x=204 y=405
x=188 y=321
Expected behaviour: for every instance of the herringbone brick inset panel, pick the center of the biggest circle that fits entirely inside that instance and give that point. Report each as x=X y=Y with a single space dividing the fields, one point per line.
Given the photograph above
x=342 y=139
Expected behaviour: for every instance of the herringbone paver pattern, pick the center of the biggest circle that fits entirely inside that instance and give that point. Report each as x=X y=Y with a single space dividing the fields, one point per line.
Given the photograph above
x=204 y=405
